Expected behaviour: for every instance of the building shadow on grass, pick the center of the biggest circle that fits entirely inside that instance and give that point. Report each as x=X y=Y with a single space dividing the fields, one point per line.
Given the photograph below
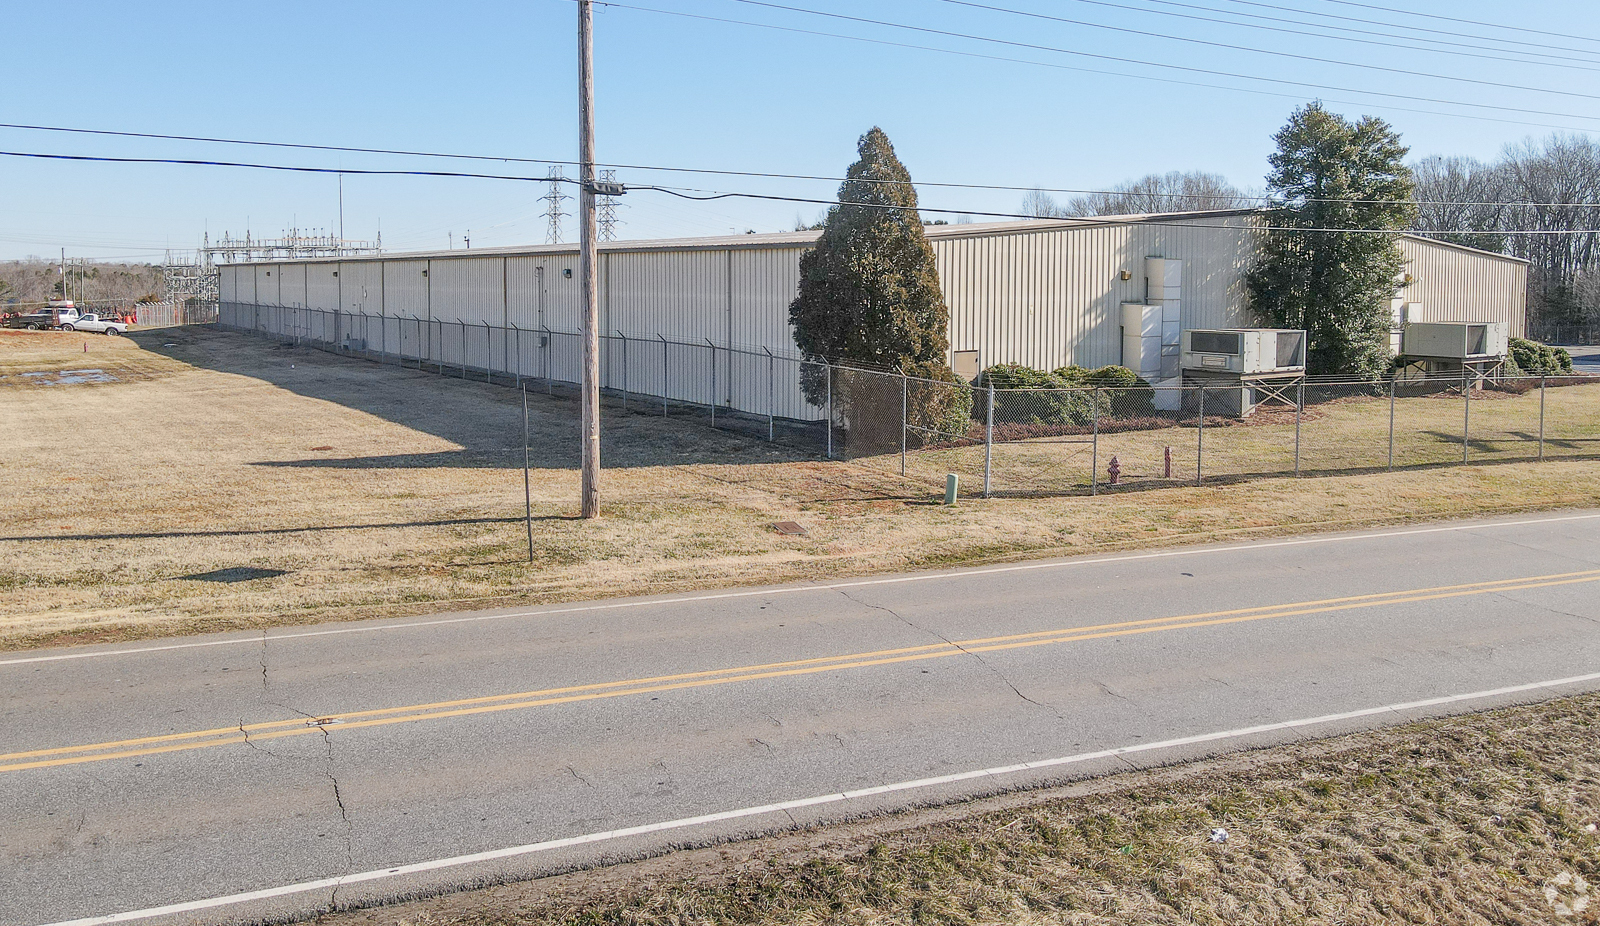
x=484 y=419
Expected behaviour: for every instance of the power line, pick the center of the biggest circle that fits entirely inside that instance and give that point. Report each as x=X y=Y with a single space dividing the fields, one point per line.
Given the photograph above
x=1489 y=38
x=1453 y=19
x=980 y=38
x=1134 y=61
x=1554 y=60
x=1250 y=49
x=547 y=178
x=685 y=193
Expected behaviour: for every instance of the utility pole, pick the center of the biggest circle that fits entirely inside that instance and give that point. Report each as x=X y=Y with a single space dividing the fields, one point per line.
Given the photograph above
x=587 y=261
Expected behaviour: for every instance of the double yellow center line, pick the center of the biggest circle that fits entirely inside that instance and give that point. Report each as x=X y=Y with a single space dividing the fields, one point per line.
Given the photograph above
x=438 y=710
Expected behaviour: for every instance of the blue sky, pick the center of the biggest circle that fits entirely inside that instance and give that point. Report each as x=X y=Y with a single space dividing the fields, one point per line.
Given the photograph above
x=498 y=79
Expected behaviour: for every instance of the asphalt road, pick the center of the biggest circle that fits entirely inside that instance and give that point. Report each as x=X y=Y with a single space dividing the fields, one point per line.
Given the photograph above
x=172 y=773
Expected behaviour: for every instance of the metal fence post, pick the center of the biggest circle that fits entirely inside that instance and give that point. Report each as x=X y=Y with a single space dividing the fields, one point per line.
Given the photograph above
x=1392 y=423
x=1299 y=412
x=828 y=369
x=1541 y=419
x=665 y=367
x=624 y=370
x=713 y=382
x=1466 y=414
x=772 y=396
x=905 y=399
x=519 y=353
x=1200 y=439
x=1094 y=446
x=527 y=488
x=488 y=354
x=463 y=347
x=988 y=440
x=549 y=381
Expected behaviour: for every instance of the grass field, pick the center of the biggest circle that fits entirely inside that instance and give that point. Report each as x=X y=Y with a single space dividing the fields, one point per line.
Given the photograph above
x=222 y=482
x=1484 y=819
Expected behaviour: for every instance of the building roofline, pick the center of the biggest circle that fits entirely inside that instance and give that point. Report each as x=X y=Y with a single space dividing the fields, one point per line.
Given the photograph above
x=767 y=240
x=1461 y=247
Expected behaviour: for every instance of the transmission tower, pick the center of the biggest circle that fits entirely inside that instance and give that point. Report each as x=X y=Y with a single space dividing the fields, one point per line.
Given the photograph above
x=606 y=210
x=553 y=212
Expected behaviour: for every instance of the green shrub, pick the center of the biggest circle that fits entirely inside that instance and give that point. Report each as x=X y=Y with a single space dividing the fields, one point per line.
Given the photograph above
x=1531 y=358
x=938 y=401
x=1062 y=397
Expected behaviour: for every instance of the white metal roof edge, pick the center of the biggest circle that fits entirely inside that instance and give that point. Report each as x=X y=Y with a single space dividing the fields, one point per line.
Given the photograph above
x=764 y=240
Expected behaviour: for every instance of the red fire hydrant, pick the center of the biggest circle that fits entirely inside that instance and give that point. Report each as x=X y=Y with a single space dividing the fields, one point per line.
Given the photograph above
x=1114 y=470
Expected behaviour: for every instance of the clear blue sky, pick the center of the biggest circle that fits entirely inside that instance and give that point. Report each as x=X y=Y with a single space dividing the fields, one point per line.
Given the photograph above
x=499 y=79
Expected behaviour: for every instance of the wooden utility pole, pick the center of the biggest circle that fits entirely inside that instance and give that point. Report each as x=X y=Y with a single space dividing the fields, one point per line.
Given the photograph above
x=587 y=261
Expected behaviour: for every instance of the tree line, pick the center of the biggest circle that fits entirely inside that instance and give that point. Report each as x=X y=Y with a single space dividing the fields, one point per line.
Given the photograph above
x=1550 y=186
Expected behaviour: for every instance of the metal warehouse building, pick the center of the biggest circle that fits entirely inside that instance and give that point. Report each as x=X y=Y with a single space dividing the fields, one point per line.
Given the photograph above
x=706 y=319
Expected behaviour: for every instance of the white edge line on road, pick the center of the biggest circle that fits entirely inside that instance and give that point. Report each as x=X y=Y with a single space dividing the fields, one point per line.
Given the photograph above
x=793 y=589
x=400 y=871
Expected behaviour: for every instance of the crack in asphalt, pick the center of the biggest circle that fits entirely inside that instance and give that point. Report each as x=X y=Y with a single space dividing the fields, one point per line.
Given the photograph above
x=1541 y=551
x=938 y=636
x=344 y=821
x=1553 y=610
x=1107 y=689
x=345 y=824
x=574 y=773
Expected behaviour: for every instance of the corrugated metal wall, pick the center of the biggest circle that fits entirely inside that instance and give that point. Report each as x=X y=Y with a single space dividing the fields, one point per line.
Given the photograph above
x=1042 y=295
x=1460 y=285
x=1050 y=297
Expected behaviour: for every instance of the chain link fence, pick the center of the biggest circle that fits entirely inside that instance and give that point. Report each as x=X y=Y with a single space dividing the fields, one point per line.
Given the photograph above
x=997 y=442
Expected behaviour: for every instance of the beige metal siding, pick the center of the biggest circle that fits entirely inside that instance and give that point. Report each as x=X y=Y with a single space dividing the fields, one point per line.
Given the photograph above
x=1458 y=285
x=1051 y=297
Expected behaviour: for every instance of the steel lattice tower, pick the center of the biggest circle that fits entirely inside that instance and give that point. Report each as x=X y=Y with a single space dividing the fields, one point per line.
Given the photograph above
x=606 y=210
x=553 y=212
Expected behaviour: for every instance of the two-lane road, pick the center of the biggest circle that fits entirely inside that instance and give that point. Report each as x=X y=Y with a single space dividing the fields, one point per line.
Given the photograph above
x=307 y=765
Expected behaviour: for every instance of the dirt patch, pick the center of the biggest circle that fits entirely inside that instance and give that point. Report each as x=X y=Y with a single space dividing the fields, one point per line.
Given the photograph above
x=1486 y=818
x=350 y=490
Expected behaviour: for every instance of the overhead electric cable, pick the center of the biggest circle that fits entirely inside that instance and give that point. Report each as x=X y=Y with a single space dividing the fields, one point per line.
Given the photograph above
x=1048 y=48
x=1279 y=7
x=685 y=193
x=1065 y=67
x=643 y=167
x=1260 y=51
x=1455 y=19
x=1553 y=60
x=706 y=195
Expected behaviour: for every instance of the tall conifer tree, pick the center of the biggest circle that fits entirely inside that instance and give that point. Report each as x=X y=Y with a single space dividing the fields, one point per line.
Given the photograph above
x=1330 y=173
x=869 y=292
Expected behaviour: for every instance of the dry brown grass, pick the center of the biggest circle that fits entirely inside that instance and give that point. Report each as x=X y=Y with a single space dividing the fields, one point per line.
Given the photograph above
x=1487 y=818
x=130 y=508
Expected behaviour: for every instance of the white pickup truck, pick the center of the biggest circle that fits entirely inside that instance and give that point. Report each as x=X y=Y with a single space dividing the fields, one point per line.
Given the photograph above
x=90 y=321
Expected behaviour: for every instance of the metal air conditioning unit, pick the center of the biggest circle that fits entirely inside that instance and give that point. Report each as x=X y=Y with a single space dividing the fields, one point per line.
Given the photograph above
x=1244 y=351
x=1456 y=340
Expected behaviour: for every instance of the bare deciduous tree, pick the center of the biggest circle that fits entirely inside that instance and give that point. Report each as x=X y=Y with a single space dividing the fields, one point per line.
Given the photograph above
x=1192 y=191
x=1460 y=200
x=1041 y=205
x=1555 y=185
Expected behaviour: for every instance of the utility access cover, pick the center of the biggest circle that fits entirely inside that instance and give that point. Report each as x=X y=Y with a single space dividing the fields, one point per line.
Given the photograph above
x=789 y=527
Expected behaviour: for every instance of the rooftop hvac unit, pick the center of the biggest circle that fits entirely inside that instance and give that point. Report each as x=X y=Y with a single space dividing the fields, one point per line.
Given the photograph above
x=1244 y=351
x=1456 y=340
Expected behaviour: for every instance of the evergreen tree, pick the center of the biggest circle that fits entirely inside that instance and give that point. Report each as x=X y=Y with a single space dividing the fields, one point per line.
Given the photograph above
x=1331 y=173
x=869 y=293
